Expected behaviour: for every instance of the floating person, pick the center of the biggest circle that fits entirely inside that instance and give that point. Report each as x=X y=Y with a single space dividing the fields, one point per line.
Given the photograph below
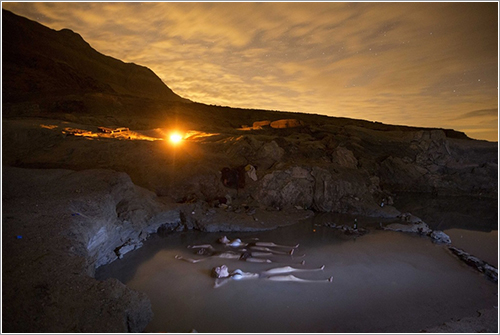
x=249 y=254
x=206 y=249
x=238 y=243
x=275 y=252
x=245 y=256
x=222 y=275
x=204 y=246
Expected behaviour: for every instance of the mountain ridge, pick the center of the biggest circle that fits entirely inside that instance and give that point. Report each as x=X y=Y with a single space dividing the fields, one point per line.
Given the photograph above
x=39 y=60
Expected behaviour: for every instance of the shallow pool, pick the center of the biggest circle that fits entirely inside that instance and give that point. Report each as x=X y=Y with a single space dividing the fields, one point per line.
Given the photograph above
x=383 y=282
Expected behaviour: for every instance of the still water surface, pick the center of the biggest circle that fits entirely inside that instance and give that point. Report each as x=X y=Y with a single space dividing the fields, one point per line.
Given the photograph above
x=383 y=282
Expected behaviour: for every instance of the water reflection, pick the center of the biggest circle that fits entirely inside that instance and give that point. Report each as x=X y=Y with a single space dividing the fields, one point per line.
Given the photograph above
x=442 y=213
x=383 y=282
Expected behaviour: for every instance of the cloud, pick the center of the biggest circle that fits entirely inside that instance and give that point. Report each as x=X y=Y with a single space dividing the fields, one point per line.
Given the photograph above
x=401 y=63
x=489 y=113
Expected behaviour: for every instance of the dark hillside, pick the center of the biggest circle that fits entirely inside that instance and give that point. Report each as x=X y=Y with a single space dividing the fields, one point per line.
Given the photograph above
x=38 y=61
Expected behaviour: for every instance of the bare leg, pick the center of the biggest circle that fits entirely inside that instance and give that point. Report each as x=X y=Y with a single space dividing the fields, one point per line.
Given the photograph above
x=295 y=279
x=190 y=260
x=258 y=253
x=287 y=269
x=228 y=255
x=257 y=260
x=273 y=251
x=271 y=244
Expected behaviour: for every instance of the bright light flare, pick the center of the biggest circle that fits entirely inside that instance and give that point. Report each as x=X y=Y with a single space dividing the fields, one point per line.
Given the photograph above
x=175 y=138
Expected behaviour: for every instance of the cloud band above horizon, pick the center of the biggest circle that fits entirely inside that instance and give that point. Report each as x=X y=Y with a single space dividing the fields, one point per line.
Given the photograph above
x=417 y=64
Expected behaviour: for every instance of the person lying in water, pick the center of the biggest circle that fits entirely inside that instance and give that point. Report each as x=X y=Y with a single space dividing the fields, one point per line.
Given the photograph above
x=245 y=256
x=248 y=256
x=237 y=243
x=264 y=251
x=222 y=275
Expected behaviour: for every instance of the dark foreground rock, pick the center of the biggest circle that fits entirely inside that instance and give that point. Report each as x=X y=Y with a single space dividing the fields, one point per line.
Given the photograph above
x=60 y=225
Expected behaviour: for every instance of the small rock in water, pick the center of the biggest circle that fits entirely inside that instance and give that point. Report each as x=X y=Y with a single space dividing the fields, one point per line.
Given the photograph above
x=440 y=237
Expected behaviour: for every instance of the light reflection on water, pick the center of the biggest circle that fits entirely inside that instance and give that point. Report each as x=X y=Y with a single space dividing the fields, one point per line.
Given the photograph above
x=383 y=282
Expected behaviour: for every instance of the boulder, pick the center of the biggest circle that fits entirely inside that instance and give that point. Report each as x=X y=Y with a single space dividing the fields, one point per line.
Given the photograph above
x=260 y=124
x=418 y=227
x=329 y=191
x=285 y=189
x=267 y=155
x=344 y=158
x=320 y=189
x=286 y=123
x=116 y=216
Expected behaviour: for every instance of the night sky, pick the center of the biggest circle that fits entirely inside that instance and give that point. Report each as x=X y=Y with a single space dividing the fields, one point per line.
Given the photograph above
x=419 y=64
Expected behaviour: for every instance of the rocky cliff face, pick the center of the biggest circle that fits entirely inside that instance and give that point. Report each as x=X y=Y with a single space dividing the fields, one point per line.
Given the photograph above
x=351 y=169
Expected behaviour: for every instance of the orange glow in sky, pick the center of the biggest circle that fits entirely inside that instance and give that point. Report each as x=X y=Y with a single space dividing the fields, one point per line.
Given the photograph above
x=426 y=64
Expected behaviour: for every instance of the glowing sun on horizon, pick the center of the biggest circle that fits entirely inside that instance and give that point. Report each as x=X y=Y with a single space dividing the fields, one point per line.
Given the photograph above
x=175 y=138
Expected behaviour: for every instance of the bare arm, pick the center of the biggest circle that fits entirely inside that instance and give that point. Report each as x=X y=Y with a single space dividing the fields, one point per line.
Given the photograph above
x=190 y=260
x=295 y=279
